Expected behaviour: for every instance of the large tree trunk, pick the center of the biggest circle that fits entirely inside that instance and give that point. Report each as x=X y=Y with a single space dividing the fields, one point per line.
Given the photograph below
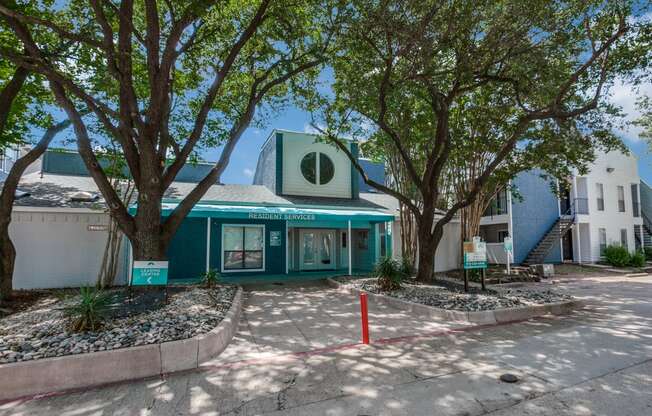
x=7 y=259
x=149 y=243
x=427 y=243
x=426 y=263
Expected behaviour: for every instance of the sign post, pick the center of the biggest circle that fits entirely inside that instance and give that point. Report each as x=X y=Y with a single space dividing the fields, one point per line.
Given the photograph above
x=150 y=273
x=475 y=257
x=508 y=245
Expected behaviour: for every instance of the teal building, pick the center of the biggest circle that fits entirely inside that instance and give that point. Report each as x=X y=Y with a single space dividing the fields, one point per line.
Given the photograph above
x=304 y=216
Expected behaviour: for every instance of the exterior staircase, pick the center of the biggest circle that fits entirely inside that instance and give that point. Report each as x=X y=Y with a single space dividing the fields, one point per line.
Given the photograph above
x=647 y=231
x=552 y=237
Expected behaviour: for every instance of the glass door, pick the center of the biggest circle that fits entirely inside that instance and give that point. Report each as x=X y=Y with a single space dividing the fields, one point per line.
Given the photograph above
x=308 y=253
x=317 y=249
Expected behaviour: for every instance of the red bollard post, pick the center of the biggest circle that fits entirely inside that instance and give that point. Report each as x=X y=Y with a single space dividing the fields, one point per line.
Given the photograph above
x=365 y=318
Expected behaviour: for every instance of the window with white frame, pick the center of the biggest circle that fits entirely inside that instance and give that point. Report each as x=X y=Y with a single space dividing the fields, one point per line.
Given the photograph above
x=599 y=191
x=602 y=235
x=242 y=247
x=623 y=237
x=621 y=199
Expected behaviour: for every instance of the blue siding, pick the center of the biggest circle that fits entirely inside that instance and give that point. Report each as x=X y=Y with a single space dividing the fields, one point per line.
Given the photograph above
x=534 y=215
x=375 y=171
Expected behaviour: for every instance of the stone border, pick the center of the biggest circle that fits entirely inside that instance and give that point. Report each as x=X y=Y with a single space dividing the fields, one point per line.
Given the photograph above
x=70 y=372
x=494 y=316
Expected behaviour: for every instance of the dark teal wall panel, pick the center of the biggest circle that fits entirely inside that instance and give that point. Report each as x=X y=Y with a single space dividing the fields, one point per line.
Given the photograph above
x=187 y=250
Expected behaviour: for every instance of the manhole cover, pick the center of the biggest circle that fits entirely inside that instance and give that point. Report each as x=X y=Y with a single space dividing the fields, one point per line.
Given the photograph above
x=509 y=378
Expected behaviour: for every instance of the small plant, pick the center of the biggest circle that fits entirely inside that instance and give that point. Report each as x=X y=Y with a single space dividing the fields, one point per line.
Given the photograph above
x=210 y=278
x=87 y=311
x=637 y=259
x=406 y=268
x=389 y=274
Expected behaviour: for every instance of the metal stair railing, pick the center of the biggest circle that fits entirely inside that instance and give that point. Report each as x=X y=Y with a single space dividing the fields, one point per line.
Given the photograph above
x=563 y=223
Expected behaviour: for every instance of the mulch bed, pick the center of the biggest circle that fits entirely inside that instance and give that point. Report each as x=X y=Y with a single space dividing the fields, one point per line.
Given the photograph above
x=40 y=331
x=449 y=295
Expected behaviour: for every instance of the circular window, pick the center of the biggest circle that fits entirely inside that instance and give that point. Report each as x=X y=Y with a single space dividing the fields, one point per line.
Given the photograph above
x=326 y=169
x=317 y=165
x=309 y=167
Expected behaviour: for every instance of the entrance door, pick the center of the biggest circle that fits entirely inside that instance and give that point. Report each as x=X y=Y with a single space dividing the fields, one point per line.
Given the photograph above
x=316 y=251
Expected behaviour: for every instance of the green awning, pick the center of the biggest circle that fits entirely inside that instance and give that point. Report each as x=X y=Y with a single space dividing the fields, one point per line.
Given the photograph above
x=286 y=213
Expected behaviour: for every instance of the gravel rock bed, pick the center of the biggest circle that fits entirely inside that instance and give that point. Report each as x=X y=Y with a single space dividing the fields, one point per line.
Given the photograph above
x=39 y=332
x=447 y=296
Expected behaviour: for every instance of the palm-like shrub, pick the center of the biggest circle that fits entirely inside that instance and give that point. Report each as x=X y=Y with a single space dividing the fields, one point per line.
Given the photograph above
x=87 y=311
x=389 y=274
x=406 y=268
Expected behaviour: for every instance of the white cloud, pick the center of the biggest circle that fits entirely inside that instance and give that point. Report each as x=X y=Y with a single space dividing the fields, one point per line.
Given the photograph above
x=249 y=173
x=310 y=129
x=625 y=95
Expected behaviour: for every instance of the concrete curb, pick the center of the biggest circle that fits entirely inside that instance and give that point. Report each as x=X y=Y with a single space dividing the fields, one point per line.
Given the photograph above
x=477 y=317
x=70 y=372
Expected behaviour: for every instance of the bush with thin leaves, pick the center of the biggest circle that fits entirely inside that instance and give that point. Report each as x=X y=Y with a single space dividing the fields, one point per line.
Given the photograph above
x=87 y=311
x=616 y=255
x=406 y=268
x=648 y=253
x=211 y=278
x=389 y=274
x=637 y=259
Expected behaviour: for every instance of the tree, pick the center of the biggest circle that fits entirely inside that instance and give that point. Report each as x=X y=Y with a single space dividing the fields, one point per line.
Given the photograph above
x=411 y=68
x=171 y=78
x=23 y=102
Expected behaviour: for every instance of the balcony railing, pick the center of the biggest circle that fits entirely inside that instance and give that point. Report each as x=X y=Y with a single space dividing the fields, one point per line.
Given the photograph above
x=581 y=206
x=494 y=210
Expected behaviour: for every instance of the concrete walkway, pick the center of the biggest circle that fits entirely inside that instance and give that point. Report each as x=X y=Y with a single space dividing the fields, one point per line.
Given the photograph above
x=594 y=362
x=296 y=318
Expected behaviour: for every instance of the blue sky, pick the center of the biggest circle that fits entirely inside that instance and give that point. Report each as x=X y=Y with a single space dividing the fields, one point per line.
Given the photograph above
x=243 y=161
x=245 y=156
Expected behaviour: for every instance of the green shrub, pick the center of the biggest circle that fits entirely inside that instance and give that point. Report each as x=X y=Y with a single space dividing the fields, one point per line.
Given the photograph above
x=406 y=267
x=87 y=311
x=648 y=253
x=389 y=274
x=210 y=278
x=637 y=259
x=616 y=255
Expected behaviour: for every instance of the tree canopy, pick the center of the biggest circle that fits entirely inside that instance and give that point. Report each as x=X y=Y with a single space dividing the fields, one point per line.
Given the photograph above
x=166 y=79
x=443 y=84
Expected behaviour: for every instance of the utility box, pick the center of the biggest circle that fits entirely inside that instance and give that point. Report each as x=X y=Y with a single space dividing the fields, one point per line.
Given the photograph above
x=544 y=270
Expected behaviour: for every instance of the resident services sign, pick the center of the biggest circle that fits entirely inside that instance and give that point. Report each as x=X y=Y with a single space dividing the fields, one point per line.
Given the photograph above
x=149 y=273
x=275 y=216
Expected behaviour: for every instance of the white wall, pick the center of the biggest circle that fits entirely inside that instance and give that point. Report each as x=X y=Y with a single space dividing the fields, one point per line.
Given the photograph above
x=625 y=173
x=496 y=253
x=295 y=147
x=55 y=249
x=448 y=254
